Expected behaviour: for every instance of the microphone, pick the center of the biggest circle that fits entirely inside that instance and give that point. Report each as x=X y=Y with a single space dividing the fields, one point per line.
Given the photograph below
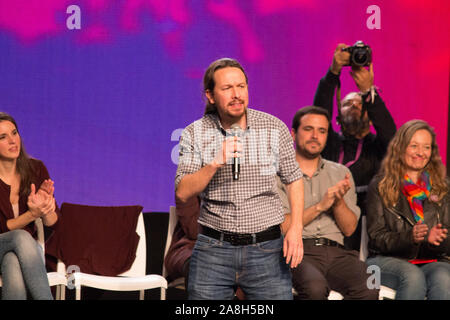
x=236 y=131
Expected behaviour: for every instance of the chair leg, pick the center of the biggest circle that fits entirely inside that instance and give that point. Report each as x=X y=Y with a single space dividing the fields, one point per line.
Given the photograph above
x=62 y=292
x=58 y=293
x=141 y=294
x=163 y=293
x=78 y=293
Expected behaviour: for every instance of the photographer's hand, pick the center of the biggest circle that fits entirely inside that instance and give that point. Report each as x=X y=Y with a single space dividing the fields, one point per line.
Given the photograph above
x=340 y=59
x=363 y=77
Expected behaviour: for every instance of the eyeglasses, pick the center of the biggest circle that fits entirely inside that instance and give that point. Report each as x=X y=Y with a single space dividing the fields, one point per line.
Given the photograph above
x=351 y=103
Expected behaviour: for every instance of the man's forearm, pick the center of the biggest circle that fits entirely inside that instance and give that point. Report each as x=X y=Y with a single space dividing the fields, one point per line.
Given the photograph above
x=345 y=218
x=310 y=214
x=295 y=192
x=193 y=184
x=325 y=92
x=381 y=119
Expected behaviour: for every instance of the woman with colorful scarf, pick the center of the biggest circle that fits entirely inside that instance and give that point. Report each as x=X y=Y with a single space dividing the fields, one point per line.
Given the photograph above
x=408 y=216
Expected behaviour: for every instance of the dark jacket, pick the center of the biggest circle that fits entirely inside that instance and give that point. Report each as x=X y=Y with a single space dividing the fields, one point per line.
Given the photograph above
x=184 y=237
x=390 y=229
x=39 y=174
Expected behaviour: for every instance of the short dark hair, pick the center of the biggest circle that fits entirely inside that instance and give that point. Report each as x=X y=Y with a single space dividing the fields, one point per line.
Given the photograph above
x=308 y=110
x=208 y=78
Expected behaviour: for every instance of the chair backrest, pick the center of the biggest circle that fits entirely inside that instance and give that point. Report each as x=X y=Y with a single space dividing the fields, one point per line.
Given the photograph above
x=138 y=269
x=173 y=219
x=102 y=240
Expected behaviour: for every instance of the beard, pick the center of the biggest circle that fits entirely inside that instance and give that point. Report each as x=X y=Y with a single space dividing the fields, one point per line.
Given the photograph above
x=307 y=154
x=353 y=125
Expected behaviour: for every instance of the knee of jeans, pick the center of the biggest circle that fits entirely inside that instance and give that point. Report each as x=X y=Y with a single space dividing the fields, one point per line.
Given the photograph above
x=413 y=276
x=439 y=276
x=22 y=238
x=13 y=283
x=11 y=266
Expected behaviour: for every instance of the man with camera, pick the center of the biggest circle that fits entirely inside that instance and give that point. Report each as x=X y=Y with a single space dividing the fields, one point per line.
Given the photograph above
x=355 y=147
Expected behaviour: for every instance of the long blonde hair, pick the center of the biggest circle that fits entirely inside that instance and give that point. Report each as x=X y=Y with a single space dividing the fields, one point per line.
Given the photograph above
x=393 y=166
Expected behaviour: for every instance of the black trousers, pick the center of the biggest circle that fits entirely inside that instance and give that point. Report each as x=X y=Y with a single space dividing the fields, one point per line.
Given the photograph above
x=326 y=268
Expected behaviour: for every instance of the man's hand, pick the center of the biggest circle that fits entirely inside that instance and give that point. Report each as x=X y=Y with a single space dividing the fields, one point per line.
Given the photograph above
x=231 y=148
x=340 y=59
x=334 y=194
x=363 y=77
x=293 y=246
x=342 y=188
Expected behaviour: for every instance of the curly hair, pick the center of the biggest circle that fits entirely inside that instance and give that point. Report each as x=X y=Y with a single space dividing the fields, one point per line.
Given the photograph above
x=393 y=167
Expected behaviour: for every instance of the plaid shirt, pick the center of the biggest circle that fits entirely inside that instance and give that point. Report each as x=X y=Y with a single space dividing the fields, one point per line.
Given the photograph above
x=250 y=204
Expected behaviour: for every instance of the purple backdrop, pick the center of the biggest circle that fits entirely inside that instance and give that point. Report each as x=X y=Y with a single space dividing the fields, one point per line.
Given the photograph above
x=99 y=90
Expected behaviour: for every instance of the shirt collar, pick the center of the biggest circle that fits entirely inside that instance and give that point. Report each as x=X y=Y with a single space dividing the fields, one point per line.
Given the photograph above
x=216 y=120
x=320 y=166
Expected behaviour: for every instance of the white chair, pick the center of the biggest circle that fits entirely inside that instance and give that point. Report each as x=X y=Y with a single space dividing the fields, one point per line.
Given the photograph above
x=135 y=279
x=173 y=220
x=57 y=279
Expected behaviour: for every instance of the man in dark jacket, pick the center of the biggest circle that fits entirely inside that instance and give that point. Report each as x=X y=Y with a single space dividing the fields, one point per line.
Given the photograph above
x=355 y=147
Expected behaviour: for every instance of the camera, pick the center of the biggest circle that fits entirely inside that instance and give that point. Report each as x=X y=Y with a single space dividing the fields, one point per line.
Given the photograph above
x=360 y=54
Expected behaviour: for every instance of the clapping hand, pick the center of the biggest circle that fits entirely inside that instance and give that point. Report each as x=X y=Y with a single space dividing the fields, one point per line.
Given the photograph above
x=335 y=194
x=437 y=235
x=41 y=203
x=419 y=232
x=48 y=187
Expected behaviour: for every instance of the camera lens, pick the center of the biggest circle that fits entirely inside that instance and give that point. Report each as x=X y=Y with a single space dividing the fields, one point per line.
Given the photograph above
x=360 y=57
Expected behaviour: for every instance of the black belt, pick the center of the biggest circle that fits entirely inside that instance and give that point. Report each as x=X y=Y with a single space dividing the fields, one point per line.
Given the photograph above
x=242 y=239
x=322 y=242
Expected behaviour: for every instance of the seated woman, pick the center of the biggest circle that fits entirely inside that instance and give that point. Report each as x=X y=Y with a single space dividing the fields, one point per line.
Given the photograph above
x=408 y=215
x=21 y=257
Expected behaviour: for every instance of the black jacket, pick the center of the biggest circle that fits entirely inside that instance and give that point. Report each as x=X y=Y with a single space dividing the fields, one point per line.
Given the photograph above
x=390 y=229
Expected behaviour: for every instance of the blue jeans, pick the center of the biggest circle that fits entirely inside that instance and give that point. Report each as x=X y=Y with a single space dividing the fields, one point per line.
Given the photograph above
x=22 y=267
x=414 y=282
x=217 y=267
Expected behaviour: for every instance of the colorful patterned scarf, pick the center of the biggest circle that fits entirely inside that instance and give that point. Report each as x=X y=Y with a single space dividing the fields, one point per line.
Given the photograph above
x=417 y=193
